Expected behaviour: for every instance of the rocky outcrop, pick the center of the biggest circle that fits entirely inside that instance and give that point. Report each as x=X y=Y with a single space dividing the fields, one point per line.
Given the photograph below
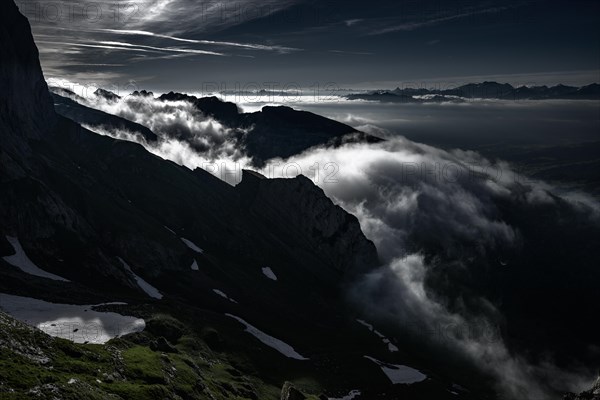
x=142 y=93
x=301 y=205
x=289 y=392
x=283 y=132
x=107 y=95
x=223 y=111
x=591 y=394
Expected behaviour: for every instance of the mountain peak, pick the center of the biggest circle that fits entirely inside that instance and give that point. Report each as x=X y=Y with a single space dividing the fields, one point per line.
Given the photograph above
x=176 y=96
x=25 y=101
x=107 y=94
x=248 y=174
x=142 y=93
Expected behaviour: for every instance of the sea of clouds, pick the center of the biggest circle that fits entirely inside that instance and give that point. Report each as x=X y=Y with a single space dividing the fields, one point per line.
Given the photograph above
x=406 y=196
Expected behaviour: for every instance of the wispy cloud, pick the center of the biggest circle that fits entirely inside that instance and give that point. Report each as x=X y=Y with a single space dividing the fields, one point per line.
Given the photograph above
x=141 y=32
x=102 y=45
x=358 y=53
x=350 y=22
x=164 y=49
x=413 y=25
x=97 y=65
x=250 y=46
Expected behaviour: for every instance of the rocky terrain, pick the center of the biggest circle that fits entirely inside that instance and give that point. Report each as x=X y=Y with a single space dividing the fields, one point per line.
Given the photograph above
x=86 y=219
x=126 y=276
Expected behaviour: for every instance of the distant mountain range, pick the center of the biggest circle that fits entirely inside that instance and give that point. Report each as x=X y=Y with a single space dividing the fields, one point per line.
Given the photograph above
x=485 y=90
x=275 y=131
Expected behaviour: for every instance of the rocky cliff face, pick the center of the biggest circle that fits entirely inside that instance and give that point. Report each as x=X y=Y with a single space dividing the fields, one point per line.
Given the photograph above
x=25 y=103
x=26 y=115
x=115 y=220
x=79 y=202
x=315 y=220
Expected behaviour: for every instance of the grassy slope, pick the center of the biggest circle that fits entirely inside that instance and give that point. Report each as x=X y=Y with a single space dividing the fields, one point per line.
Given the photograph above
x=33 y=364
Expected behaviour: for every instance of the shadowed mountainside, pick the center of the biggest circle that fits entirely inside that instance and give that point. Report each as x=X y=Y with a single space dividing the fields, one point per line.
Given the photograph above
x=106 y=215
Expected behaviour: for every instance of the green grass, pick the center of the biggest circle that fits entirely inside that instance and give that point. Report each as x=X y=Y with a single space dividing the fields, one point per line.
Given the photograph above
x=125 y=368
x=132 y=391
x=143 y=365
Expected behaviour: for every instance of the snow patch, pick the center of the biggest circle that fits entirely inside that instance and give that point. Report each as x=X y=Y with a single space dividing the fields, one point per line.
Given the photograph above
x=220 y=293
x=371 y=328
x=399 y=374
x=457 y=388
x=192 y=246
x=391 y=347
x=77 y=323
x=195 y=266
x=21 y=261
x=350 y=396
x=268 y=272
x=145 y=286
x=270 y=341
x=170 y=230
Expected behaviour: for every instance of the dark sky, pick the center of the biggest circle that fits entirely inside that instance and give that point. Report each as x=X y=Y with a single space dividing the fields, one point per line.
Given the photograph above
x=198 y=45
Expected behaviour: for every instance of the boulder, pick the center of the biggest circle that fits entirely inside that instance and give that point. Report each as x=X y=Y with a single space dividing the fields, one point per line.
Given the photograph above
x=289 y=392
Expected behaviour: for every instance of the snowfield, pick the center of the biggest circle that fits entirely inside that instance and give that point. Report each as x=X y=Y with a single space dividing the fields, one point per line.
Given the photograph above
x=79 y=324
x=391 y=347
x=145 y=286
x=364 y=323
x=270 y=341
x=399 y=374
x=195 y=266
x=21 y=261
x=192 y=246
x=268 y=272
x=220 y=293
x=350 y=396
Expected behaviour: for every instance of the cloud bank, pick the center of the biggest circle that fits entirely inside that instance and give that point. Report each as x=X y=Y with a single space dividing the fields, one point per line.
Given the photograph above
x=433 y=214
x=427 y=209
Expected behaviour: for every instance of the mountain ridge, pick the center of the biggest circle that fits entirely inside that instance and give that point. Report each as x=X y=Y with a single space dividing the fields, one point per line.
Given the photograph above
x=485 y=90
x=275 y=131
